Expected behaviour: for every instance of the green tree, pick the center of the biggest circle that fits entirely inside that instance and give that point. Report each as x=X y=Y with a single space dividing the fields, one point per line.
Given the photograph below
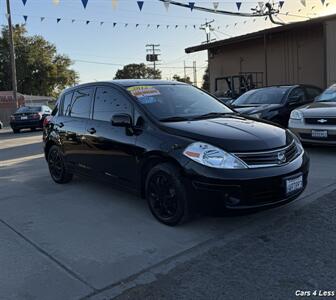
x=206 y=80
x=40 y=69
x=182 y=79
x=137 y=71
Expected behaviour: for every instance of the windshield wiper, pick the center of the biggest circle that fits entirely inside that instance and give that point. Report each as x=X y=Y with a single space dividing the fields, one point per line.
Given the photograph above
x=175 y=119
x=212 y=115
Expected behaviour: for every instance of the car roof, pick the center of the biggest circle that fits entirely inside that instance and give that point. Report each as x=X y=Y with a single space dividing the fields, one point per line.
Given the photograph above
x=126 y=83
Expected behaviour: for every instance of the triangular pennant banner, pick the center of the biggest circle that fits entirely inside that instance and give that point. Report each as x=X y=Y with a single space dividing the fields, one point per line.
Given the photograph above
x=191 y=5
x=114 y=4
x=25 y=18
x=303 y=2
x=167 y=26
x=148 y=25
x=126 y=24
x=327 y=4
x=42 y=19
x=281 y=3
x=238 y=5
x=73 y=21
x=24 y=2
x=215 y=5
x=185 y=26
x=101 y=23
x=261 y=4
x=176 y=26
x=87 y=22
x=114 y=24
x=194 y=26
x=166 y=4
x=140 y=4
x=137 y=25
x=85 y=2
x=55 y=2
x=323 y=1
x=157 y=26
x=58 y=20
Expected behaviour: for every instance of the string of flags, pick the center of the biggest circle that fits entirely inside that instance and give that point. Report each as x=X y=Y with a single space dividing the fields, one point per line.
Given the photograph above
x=191 y=5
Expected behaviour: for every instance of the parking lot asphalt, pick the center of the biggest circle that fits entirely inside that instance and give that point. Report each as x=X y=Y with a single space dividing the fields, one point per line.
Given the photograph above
x=88 y=240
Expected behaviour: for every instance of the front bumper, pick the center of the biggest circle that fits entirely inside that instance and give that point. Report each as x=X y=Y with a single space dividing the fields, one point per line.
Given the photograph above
x=304 y=132
x=245 y=189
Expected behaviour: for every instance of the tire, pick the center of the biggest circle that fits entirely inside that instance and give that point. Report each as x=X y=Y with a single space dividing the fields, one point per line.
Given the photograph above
x=166 y=195
x=16 y=130
x=57 y=166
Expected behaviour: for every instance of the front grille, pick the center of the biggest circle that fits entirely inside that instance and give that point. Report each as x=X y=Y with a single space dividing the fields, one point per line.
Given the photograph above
x=321 y=121
x=270 y=158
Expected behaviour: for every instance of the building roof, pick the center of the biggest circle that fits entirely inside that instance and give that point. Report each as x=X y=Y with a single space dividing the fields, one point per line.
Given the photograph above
x=260 y=34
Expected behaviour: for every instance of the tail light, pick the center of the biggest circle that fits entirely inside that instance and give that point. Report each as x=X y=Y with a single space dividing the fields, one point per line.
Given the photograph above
x=46 y=121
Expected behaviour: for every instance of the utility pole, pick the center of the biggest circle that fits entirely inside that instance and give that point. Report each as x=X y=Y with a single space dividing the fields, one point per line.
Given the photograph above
x=207 y=28
x=12 y=53
x=153 y=56
x=194 y=68
x=195 y=72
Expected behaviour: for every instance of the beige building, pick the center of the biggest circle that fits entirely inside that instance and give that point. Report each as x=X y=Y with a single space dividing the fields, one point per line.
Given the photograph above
x=302 y=52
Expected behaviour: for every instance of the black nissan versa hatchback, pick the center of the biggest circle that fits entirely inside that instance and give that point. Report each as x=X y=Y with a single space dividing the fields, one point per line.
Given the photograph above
x=174 y=144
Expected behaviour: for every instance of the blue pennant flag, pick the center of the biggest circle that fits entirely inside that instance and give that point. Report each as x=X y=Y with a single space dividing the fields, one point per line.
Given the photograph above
x=176 y=26
x=85 y=2
x=281 y=3
x=191 y=5
x=137 y=25
x=24 y=2
x=114 y=24
x=140 y=4
x=25 y=18
x=238 y=5
x=58 y=20
x=42 y=19
x=87 y=22
x=101 y=23
x=157 y=26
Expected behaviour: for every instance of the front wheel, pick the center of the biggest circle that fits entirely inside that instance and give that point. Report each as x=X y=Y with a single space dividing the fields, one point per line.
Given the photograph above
x=166 y=195
x=57 y=167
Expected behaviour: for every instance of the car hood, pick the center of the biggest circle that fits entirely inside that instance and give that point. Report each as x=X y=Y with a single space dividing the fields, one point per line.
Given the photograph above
x=319 y=109
x=232 y=133
x=254 y=109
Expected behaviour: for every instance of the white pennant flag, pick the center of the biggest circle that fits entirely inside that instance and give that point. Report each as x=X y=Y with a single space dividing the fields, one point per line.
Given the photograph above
x=114 y=4
x=303 y=2
x=215 y=5
x=261 y=4
x=55 y=2
x=166 y=4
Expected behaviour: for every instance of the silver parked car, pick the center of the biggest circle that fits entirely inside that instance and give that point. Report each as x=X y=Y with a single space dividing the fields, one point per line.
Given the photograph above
x=316 y=122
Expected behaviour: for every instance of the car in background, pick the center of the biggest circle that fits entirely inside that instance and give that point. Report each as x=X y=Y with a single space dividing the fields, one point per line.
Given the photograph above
x=275 y=103
x=175 y=145
x=29 y=117
x=315 y=123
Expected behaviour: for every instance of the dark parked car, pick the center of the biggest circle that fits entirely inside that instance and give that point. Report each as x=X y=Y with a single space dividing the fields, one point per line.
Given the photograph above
x=29 y=117
x=174 y=144
x=275 y=103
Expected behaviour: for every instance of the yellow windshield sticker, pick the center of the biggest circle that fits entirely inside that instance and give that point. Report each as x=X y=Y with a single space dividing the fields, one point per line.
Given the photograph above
x=143 y=91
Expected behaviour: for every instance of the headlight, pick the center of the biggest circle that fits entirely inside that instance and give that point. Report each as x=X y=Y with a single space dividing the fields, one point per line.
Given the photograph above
x=211 y=156
x=297 y=142
x=296 y=115
x=257 y=115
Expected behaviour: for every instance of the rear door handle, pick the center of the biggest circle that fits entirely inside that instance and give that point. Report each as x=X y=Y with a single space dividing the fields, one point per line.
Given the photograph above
x=91 y=131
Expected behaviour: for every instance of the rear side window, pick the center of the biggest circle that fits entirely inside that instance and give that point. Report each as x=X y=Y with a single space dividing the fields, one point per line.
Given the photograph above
x=67 y=104
x=81 y=103
x=109 y=101
x=312 y=92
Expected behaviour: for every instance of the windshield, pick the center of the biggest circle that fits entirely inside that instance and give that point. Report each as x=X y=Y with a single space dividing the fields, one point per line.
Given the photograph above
x=29 y=109
x=272 y=95
x=329 y=95
x=177 y=102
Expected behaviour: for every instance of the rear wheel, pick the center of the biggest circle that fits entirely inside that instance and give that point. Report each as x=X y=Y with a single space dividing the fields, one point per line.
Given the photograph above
x=57 y=166
x=166 y=195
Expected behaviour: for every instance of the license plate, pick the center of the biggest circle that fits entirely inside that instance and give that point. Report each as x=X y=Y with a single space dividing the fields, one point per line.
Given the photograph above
x=294 y=184
x=24 y=118
x=320 y=134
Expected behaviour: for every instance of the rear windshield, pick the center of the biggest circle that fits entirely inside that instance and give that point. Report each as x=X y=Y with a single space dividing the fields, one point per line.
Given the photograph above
x=168 y=101
x=272 y=95
x=329 y=95
x=29 y=109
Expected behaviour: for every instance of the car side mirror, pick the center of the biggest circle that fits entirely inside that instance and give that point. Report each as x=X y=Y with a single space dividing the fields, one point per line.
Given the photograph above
x=122 y=120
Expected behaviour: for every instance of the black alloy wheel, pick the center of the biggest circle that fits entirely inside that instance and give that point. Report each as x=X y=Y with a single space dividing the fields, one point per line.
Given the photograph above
x=57 y=167
x=166 y=195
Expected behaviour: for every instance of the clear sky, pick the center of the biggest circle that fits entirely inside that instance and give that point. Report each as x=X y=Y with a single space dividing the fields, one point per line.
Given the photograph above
x=107 y=48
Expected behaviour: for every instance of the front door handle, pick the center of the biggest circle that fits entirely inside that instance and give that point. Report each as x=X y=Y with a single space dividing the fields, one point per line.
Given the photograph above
x=91 y=131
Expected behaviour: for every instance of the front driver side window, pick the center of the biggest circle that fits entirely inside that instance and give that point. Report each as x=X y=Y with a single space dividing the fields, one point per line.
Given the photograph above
x=108 y=102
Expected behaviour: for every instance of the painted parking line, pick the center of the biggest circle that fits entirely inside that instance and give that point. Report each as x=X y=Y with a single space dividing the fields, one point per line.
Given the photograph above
x=11 y=162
